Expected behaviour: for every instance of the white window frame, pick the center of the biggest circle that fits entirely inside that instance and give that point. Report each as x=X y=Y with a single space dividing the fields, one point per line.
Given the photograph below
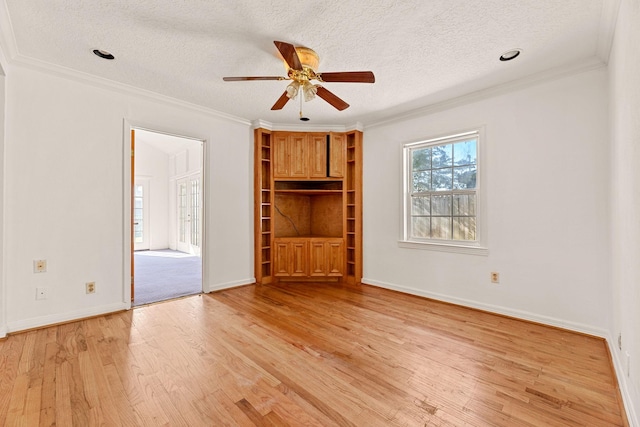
x=475 y=247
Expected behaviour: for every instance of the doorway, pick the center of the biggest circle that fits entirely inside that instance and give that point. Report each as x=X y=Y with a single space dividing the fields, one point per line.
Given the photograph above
x=166 y=216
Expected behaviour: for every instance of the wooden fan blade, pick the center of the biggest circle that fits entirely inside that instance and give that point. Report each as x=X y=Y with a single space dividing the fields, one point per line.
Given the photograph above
x=289 y=54
x=348 y=77
x=241 y=79
x=281 y=101
x=331 y=98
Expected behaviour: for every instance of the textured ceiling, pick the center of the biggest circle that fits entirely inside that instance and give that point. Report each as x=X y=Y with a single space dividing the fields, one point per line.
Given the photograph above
x=421 y=51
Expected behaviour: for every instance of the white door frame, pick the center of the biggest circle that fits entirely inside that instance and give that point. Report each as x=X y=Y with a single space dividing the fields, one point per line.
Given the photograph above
x=129 y=125
x=3 y=226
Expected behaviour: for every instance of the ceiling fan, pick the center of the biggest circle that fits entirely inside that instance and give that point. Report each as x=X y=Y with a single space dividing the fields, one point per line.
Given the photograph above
x=301 y=64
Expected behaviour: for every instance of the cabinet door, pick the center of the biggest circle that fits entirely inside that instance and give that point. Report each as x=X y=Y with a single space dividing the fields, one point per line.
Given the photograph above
x=335 y=257
x=317 y=258
x=317 y=156
x=280 y=156
x=299 y=259
x=326 y=257
x=291 y=258
x=298 y=156
x=281 y=261
x=337 y=152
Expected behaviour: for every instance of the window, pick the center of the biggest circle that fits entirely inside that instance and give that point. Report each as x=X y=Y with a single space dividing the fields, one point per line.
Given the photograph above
x=442 y=191
x=195 y=212
x=138 y=213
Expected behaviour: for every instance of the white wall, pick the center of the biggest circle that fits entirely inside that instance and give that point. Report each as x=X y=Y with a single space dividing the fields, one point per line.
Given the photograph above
x=548 y=195
x=624 y=70
x=3 y=320
x=64 y=193
x=153 y=164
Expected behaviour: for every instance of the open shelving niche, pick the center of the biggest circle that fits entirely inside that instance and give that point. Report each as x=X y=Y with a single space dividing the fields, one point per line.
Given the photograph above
x=263 y=205
x=308 y=209
x=354 y=207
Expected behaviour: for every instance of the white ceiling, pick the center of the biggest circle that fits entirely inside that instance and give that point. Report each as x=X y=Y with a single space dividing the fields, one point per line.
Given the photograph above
x=421 y=51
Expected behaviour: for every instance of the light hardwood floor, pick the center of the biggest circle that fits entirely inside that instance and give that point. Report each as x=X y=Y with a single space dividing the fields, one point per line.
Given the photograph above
x=306 y=354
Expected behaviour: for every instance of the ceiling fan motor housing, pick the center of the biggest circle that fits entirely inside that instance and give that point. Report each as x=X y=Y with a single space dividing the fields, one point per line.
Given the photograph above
x=308 y=58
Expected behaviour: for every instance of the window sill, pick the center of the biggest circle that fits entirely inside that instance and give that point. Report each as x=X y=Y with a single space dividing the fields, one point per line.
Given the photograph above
x=444 y=247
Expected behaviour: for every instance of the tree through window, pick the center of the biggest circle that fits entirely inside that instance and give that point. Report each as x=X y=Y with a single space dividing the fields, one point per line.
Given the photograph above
x=442 y=189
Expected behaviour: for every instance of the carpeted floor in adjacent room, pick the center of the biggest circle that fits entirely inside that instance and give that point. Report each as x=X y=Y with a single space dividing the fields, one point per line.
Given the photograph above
x=164 y=274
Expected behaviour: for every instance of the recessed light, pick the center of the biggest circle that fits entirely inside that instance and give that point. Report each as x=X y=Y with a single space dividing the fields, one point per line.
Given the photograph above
x=510 y=54
x=103 y=54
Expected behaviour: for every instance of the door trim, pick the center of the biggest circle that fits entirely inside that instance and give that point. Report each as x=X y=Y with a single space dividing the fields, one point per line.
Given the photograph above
x=128 y=176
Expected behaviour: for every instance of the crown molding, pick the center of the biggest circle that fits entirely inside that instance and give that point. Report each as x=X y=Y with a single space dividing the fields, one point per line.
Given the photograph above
x=8 y=47
x=85 y=78
x=9 y=55
x=304 y=127
x=607 y=30
x=591 y=64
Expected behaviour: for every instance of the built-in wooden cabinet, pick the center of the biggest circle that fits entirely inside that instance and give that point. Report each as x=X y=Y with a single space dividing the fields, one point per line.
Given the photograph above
x=291 y=155
x=308 y=206
x=308 y=155
x=305 y=257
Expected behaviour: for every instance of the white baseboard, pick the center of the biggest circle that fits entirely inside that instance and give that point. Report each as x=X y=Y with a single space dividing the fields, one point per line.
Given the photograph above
x=42 y=321
x=229 y=285
x=623 y=384
x=524 y=315
x=572 y=326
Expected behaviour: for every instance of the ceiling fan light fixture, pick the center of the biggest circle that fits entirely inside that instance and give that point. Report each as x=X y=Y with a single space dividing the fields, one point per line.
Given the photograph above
x=309 y=91
x=510 y=54
x=292 y=89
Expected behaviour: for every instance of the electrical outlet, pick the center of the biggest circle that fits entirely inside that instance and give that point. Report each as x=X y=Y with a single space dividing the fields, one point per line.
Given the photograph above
x=40 y=266
x=90 y=287
x=495 y=277
x=41 y=293
x=628 y=363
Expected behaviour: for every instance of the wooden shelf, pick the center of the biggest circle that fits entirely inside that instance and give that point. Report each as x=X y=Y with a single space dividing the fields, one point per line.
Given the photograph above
x=310 y=192
x=309 y=236
x=310 y=185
